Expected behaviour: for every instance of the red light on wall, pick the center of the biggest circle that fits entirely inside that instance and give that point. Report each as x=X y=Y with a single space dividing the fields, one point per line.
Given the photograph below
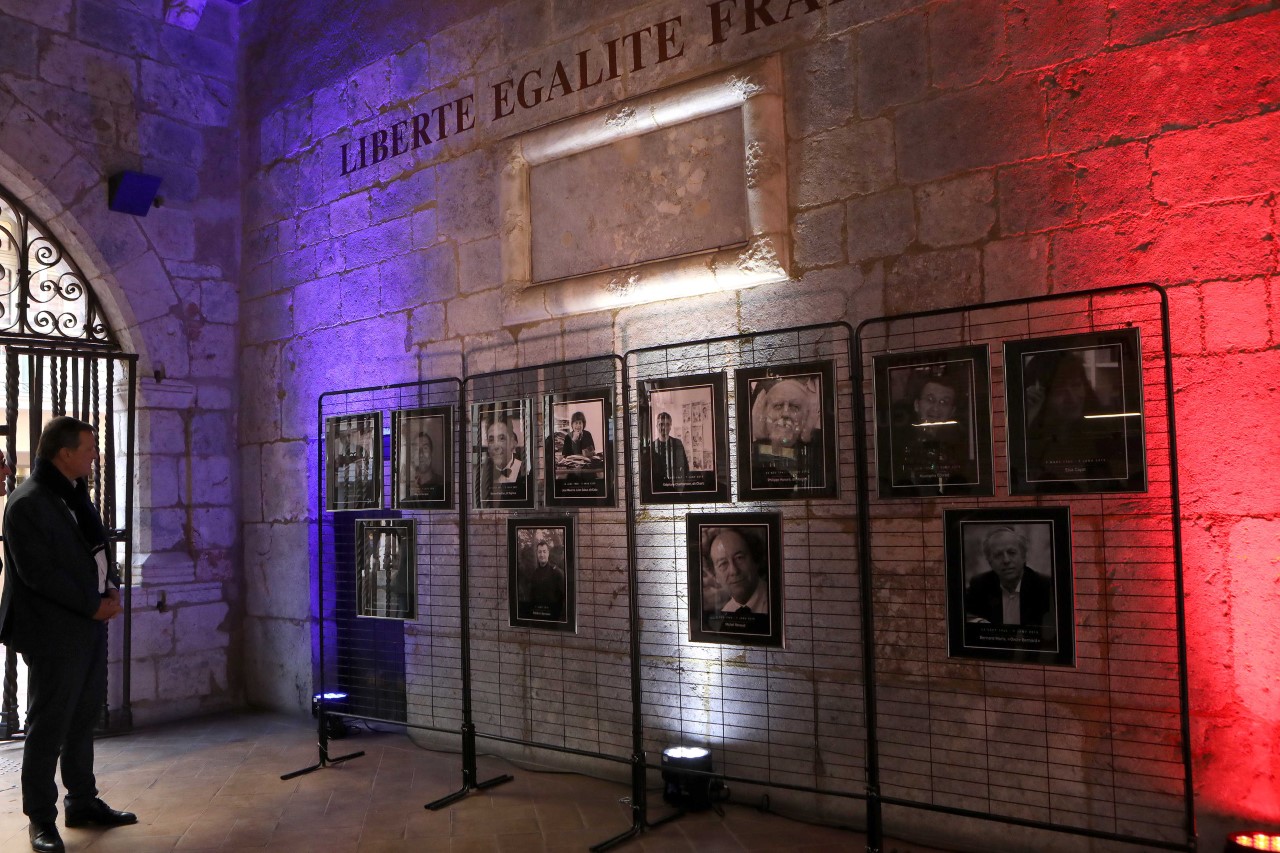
x=1252 y=841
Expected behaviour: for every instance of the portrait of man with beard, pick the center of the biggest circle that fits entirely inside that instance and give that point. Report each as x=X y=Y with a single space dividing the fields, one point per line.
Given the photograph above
x=791 y=428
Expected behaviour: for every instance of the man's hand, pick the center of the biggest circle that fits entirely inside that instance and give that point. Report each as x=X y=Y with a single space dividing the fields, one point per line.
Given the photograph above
x=110 y=607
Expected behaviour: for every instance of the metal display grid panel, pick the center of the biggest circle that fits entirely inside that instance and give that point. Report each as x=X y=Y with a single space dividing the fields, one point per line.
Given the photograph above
x=790 y=717
x=404 y=671
x=568 y=691
x=1099 y=749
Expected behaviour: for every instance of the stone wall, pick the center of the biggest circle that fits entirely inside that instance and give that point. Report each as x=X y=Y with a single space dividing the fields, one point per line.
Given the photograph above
x=938 y=154
x=88 y=89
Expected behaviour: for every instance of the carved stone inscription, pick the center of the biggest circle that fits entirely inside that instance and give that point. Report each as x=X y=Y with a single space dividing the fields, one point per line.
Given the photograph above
x=667 y=193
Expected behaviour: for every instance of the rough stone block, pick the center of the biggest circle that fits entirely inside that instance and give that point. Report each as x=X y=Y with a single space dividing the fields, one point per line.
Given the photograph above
x=201 y=627
x=161 y=529
x=219 y=302
x=168 y=140
x=211 y=481
x=1037 y=196
x=167 y=345
x=988 y=125
x=251 y=484
x=359 y=293
x=348 y=214
x=426 y=324
x=54 y=15
x=268 y=319
x=199 y=99
x=1186 y=313
x=478 y=313
x=1135 y=21
x=403 y=195
x=1040 y=33
x=152 y=633
x=893 y=64
x=1205 y=243
x=479 y=266
x=213 y=528
x=966 y=43
x=278 y=663
x=818 y=297
x=880 y=224
x=1133 y=93
x=162 y=432
x=315 y=304
x=855 y=159
x=411 y=70
x=18 y=48
x=212 y=432
x=373 y=245
x=957 y=211
x=198 y=674
x=29 y=140
x=439 y=273
x=78 y=66
x=1235 y=159
x=116 y=29
x=1113 y=180
x=158 y=480
x=467 y=198
x=928 y=280
x=822 y=85
x=1015 y=268
x=1223 y=468
x=1234 y=313
x=277 y=571
x=198 y=53
x=819 y=237
x=172 y=233
x=284 y=465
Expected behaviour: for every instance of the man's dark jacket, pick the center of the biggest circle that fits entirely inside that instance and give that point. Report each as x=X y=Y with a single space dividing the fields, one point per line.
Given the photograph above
x=51 y=578
x=984 y=597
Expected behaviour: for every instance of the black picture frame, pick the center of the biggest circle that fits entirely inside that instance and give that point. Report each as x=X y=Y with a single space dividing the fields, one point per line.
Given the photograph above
x=422 y=458
x=386 y=569
x=353 y=461
x=542 y=595
x=787 y=432
x=979 y=544
x=718 y=563
x=490 y=489
x=1075 y=413
x=692 y=464
x=579 y=470
x=933 y=423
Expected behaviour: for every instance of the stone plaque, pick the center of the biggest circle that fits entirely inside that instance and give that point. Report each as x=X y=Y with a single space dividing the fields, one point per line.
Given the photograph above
x=671 y=192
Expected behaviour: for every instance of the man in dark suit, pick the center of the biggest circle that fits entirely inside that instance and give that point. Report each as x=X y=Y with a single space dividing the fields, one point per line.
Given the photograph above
x=669 y=465
x=60 y=589
x=1011 y=593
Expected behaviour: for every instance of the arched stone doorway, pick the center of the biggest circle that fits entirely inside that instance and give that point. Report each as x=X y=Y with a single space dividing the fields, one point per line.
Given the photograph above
x=59 y=355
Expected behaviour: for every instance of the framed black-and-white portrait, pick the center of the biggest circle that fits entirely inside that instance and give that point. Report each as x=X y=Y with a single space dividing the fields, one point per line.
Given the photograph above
x=502 y=464
x=579 y=448
x=353 y=461
x=386 y=568
x=1009 y=584
x=735 y=578
x=1074 y=404
x=422 y=458
x=787 y=432
x=541 y=573
x=933 y=423
x=684 y=440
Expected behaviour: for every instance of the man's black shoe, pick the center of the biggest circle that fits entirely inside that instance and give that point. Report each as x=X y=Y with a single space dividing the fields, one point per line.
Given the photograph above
x=98 y=812
x=45 y=838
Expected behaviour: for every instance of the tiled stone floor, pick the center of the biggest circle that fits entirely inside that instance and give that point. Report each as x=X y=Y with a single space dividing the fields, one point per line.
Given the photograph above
x=214 y=784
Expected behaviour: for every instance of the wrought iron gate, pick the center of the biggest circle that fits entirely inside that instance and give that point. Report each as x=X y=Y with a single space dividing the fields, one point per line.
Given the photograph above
x=99 y=388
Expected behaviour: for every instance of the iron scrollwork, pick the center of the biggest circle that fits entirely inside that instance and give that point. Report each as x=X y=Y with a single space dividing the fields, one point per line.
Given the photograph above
x=43 y=293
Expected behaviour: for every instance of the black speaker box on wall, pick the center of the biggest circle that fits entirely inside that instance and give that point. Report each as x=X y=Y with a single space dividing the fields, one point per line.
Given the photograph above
x=132 y=192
